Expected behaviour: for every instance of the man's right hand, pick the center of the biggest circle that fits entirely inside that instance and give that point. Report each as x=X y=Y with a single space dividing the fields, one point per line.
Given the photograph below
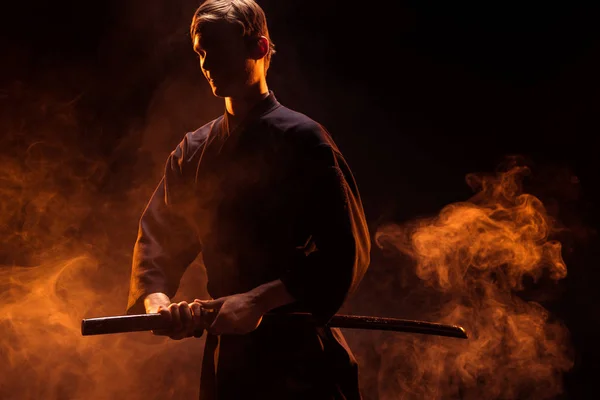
x=184 y=317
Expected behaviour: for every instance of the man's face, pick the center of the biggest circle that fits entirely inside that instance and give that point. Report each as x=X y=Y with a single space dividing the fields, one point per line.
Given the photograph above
x=224 y=59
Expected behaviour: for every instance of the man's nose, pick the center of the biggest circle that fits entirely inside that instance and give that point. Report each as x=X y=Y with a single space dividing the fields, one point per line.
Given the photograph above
x=207 y=63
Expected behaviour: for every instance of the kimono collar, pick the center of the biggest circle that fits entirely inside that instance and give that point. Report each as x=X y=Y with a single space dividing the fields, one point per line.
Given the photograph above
x=261 y=108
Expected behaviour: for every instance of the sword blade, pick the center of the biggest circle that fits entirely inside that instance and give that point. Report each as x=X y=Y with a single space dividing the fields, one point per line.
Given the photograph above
x=147 y=322
x=397 y=325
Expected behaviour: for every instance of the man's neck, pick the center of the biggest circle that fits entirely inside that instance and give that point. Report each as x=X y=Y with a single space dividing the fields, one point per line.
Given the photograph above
x=238 y=107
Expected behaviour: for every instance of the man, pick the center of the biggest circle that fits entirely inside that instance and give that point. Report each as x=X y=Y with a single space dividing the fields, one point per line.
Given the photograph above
x=264 y=194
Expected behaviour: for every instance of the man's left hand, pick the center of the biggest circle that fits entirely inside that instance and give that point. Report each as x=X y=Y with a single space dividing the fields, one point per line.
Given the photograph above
x=238 y=314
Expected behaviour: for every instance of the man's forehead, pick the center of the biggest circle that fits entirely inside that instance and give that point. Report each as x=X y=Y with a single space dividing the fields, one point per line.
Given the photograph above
x=214 y=32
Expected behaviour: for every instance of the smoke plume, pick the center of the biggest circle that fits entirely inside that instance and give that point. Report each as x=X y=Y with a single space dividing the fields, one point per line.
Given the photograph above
x=471 y=265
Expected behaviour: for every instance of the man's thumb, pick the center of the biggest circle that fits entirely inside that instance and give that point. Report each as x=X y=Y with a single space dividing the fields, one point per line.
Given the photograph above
x=209 y=304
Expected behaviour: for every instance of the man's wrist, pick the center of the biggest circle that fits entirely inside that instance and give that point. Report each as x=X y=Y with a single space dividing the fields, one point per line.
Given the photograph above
x=154 y=300
x=270 y=295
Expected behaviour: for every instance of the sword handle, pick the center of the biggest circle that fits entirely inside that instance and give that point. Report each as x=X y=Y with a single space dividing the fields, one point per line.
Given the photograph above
x=138 y=323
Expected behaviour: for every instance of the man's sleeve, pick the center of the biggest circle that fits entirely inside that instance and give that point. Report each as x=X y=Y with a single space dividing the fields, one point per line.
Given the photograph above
x=166 y=244
x=335 y=259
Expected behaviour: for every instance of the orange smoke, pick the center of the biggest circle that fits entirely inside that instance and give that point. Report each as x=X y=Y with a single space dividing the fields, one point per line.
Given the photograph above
x=475 y=258
x=65 y=256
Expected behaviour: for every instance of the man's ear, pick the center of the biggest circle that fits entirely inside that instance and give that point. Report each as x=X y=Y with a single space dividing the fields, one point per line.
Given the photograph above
x=260 y=48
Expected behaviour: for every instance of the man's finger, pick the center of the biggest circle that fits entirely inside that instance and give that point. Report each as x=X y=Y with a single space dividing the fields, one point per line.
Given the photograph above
x=175 y=317
x=166 y=315
x=196 y=310
x=180 y=316
x=185 y=314
x=164 y=311
x=211 y=304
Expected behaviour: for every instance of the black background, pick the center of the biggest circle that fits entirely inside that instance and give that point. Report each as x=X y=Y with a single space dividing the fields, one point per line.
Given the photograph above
x=417 y=95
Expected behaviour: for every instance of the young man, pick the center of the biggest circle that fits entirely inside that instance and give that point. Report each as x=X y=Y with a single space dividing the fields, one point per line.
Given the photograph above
x=265 y=195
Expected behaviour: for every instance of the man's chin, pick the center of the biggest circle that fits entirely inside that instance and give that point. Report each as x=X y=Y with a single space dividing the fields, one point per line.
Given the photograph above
x=221 y=92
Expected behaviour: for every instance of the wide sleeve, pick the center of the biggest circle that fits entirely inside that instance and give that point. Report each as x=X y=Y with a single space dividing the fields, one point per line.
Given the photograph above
x=334 y=260
x=166 y=243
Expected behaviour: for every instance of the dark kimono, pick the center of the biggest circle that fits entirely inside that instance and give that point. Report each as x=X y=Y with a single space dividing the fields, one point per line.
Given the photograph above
x=272 y=199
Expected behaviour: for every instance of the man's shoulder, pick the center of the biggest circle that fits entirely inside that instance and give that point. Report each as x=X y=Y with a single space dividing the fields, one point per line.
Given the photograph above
x=193 y=141
x=198 y=137
x=299 y=127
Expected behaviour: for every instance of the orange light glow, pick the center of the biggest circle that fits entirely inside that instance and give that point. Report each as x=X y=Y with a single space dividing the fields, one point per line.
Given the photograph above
x=475 y=257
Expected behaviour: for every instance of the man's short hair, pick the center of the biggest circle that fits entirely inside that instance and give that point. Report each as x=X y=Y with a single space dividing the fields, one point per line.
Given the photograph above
x=246 y=14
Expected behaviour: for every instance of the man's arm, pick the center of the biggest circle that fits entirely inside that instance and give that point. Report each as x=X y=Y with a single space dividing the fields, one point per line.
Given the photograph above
x=242 y=313
x=166 y=244
x=337 y=254
x=271 y=295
